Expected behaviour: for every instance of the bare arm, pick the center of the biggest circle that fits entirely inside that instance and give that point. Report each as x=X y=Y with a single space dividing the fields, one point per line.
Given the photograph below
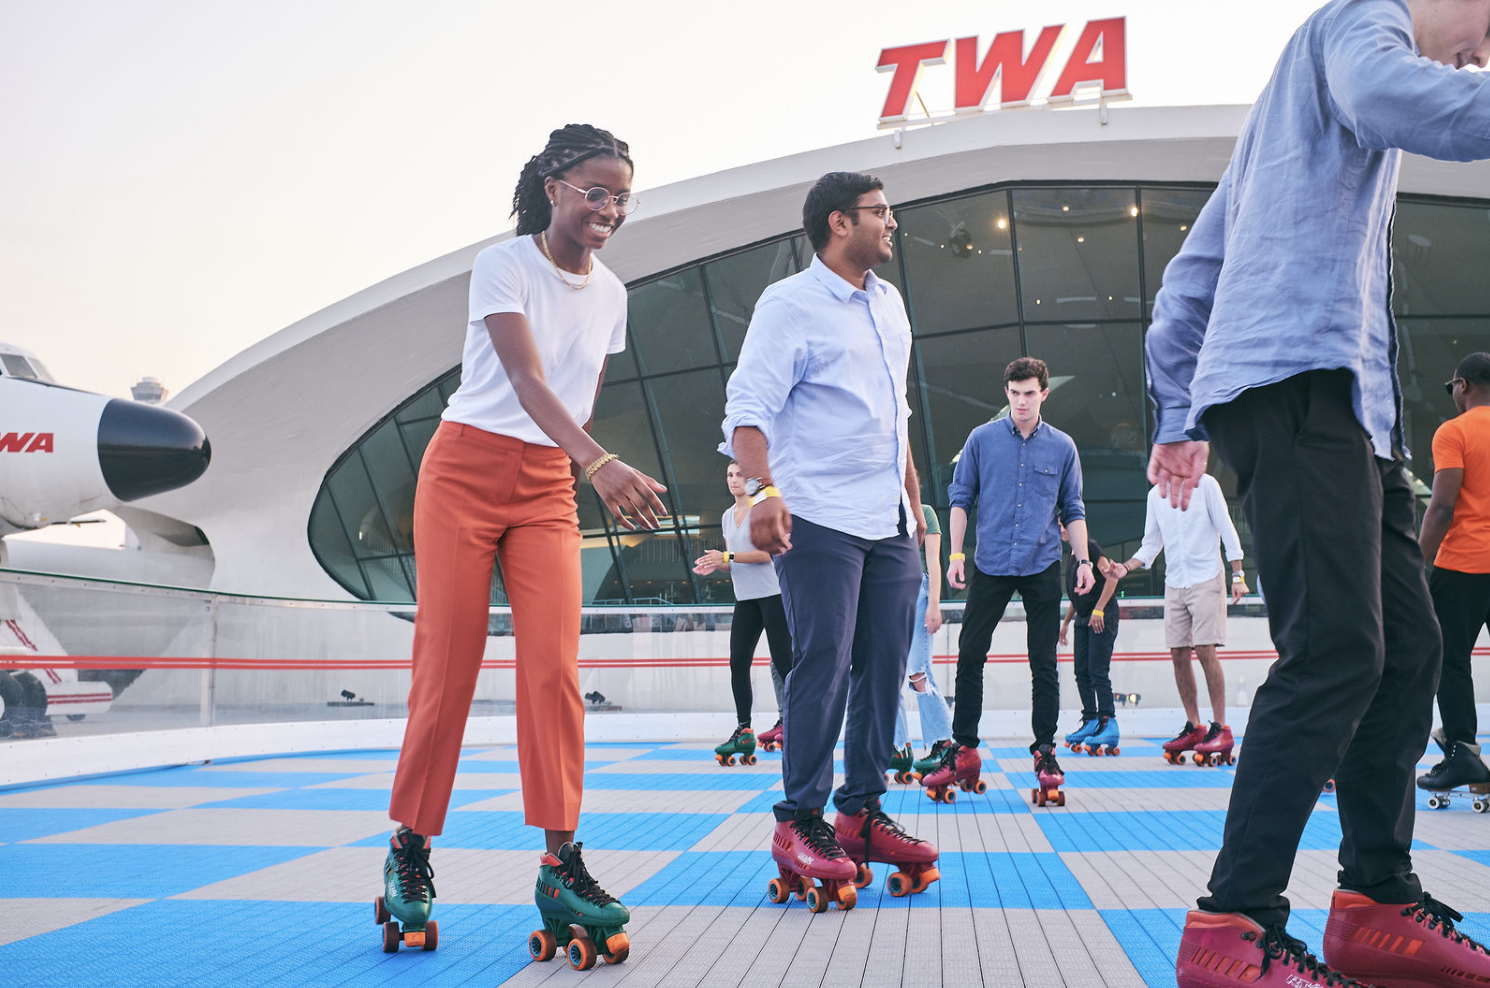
x=1440 y=514
x=1085 y=575
x=933 y=616
x=913 y=490
x=958 y=526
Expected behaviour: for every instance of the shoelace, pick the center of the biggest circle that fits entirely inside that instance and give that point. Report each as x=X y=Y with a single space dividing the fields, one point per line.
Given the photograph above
x=949 y=756
x=1047 y=763
x=1189 y=729
x=1278 y=945
x=817 y=833
x=1436 y=915
x=1211 y=734
x=577 y=878
x=876 y=815
x=414 y=872
x=939 y=748
x=736 y=736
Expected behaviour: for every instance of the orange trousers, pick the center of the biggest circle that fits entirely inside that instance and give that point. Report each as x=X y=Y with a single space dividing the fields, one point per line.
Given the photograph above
x=482 y=495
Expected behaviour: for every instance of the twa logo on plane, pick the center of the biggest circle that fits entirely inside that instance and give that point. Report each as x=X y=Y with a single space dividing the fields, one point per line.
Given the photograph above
x=1099 y=59
x=26 y=442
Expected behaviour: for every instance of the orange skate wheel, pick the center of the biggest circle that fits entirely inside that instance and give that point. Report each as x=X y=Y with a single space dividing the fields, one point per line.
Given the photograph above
x=925 y=879
x=380 y=911
x=582 y=953
x=899 y=884
x=1060 y=799
x=431 y=935
x=777 y=891
x=804 y=885
x=1034 y=796
x=391 y=937
x=865 y=876
x=542 y=944
x=816 y=901
x=750 y=760
x=1201 y=759
x=1114 y=751
x=848 y=897
x=950 y=796
x=981 y=787
x=617 y=948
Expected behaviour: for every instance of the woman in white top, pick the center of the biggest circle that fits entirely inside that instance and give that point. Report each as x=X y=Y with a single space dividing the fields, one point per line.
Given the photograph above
x=498 y=479
x=757 y=607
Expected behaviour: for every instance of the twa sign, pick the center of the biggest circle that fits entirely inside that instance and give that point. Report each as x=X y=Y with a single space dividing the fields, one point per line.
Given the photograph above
x=1099 y=61
x=26 y=442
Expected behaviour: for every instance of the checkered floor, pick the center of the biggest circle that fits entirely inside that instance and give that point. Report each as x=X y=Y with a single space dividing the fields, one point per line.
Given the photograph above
x=262 y=872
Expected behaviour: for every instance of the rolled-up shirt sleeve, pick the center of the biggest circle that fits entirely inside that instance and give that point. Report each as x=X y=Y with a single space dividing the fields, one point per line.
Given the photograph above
x=963 y=490
x=773 y=360
x=1222 y=523
x=1153 y=535
x=1073 y=508
x=1182 y=308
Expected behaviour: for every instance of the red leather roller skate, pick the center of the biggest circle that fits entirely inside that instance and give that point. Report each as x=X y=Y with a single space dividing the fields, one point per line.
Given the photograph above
x=1186 y=740
x=804 y=849
x=770 y=740
x=1051 y=778
x=870 y=835
x=960 y=767
x=1216 y=748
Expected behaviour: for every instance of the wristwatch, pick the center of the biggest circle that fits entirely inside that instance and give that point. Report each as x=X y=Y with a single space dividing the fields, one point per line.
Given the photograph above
x=753 y=486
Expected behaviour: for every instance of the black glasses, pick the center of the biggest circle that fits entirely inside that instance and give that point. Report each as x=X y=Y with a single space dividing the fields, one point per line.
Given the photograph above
x=597 y=197
x=883 y=212
x=1449 y=385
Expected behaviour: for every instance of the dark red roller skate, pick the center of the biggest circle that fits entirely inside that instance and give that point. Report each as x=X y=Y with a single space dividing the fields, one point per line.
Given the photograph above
x=1401 y=945
x=1051 y=778
x=870 y=835
x=1216 y=748
x=960 y=767
x=804 y=849
x=1186 y=740
x=1221 y=950
x=770 y=740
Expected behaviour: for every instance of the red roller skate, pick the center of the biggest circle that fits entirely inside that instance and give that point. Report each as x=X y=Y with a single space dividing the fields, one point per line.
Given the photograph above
x=804 y=849
x=1051 y=778
x=870 y=835
x=1402 y=944
x=1216 y=748
x=770 y=740
x=1186 y=740
x=960 y=767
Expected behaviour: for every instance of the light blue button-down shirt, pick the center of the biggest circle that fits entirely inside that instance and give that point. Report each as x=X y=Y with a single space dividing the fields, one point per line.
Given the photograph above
x=1289 y=267
x=822 y=376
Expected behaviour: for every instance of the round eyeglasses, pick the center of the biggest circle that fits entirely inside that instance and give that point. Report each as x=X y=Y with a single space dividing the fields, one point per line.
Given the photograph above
x=597 y=197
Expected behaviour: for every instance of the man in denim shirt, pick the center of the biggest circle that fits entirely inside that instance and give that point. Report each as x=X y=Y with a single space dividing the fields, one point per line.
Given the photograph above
x=1025 y=477
x=1273 y=336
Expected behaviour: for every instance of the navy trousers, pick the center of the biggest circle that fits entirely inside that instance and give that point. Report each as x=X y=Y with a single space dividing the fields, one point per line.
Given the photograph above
x=849 y=603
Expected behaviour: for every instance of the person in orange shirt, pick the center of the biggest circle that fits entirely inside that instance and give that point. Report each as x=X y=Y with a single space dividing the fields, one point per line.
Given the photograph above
x=1455 y=538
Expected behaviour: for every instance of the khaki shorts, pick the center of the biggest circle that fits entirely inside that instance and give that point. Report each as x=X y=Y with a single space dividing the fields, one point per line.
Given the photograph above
x=1195 y=615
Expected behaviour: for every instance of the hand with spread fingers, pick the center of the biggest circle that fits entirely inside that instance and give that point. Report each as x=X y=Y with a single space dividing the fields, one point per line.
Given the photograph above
x=627 y=491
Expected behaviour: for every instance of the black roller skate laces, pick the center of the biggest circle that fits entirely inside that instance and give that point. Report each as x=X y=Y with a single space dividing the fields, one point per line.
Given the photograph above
x=878 y=817
x=1048 y=763
x=818 y=834
x=1278 y=945
x=415 y=876
x=576 y=878
x=1437 y=916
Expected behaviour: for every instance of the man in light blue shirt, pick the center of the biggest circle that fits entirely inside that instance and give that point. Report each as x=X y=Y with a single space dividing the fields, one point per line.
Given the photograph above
x=1273 y=336
x=816 y=417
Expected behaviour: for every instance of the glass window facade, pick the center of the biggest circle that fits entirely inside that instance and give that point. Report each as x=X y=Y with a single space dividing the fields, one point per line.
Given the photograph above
x=1065 y=273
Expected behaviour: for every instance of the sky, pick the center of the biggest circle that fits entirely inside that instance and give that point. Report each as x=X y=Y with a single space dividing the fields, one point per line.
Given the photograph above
x=184 y=178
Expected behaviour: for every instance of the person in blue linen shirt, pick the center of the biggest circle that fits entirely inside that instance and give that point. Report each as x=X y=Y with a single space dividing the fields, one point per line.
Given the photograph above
x=1025 y=477
x=1273 y=338
x=816 y=416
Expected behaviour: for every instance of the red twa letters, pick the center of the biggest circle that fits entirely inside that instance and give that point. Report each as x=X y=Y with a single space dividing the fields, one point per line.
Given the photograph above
x=26 y=442
x=1100 y=58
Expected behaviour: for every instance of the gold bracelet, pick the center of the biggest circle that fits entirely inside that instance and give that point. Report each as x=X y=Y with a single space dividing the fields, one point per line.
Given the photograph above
x=590 y=470
x=957 y=557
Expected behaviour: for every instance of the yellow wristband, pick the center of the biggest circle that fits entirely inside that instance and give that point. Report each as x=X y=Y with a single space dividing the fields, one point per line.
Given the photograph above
x=1097 y=612
x=762 y=494
x=590 y=470
x=957 y=557
x=725 y=555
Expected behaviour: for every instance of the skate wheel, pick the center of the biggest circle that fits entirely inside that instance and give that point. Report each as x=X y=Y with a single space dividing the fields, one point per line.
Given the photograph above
x=1435 y=803
x=617 y=948
x=899 y=884
x=950 y=796
x=1094 y=752
x=816 y=902
x=380 y=911
x=1060 y=799
x=750 y=760
x=865 y=876
x=431 y=935
x=1480 y=806
x=582 y=953
x=1200 y=759
x=804 y=885
x=923 y=880
x=1329 y=785
x=777 y=891
x=391 y=938
x=542 y=945
x=848 y=897
x=965 y=786
x=1038 y=797
x=981 y=787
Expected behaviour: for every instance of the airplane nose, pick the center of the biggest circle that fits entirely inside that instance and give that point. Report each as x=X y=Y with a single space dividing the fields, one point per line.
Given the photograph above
x=144 y=450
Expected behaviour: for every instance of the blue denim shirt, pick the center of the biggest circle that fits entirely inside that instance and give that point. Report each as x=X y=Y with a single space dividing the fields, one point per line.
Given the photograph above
x=1023 y=488
x=822 y=376
x=1288 y=268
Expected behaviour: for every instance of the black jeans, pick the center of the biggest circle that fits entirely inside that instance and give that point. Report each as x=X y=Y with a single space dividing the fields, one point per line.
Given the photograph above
x=1093 y=661
x=1351 y=694
x=987 y=599
x=751 y=617
x=1462 y=603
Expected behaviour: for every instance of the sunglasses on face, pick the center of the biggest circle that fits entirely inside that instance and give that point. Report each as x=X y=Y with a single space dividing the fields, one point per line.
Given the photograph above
x=1449 y=385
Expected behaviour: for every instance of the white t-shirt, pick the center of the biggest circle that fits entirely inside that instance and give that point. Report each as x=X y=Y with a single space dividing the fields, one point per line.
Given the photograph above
x=574 y=331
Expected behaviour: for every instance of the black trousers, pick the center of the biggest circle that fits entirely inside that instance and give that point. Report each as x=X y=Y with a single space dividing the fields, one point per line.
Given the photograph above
x=1093 y=660
x=751 y=617
x=1462 y=603
x=1351 y=693
x=987 y=599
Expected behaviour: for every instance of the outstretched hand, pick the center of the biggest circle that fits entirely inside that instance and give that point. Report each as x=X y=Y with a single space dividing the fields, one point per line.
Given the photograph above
x=627 y=491
x=1176 y=469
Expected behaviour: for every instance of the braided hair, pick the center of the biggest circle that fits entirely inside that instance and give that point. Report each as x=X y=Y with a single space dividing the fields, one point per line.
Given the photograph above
x=567 y=147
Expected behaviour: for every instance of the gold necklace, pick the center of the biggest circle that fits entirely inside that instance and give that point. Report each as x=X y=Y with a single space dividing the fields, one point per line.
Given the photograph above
x=543 y=242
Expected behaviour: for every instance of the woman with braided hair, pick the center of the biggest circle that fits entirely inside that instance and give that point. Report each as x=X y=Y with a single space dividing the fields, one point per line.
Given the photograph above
x=498 y=479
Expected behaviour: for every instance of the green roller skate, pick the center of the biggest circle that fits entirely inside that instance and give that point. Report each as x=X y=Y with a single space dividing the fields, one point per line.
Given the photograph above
x=925 y=766
x=741 y=743
x=408 y=888
x=578 y=914
x=902 y=763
